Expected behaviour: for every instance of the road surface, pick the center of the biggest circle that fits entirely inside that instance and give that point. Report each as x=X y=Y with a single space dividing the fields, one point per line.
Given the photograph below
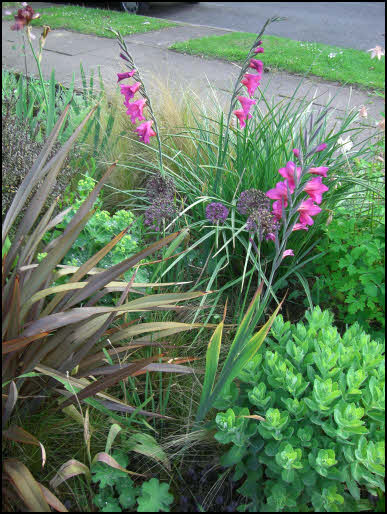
x=359 y=25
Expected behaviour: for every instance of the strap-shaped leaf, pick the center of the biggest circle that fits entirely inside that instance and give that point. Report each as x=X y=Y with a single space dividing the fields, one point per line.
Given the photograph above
x=18 y=434
x=25 y=484
x=51 y=499
x=17 y=344
x=60 y=300
x=59 y=319
x=95 y=283
x=69 y=469
x=101 y=385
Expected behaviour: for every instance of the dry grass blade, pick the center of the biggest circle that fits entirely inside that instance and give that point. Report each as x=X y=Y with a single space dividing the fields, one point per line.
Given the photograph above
x=19 y=343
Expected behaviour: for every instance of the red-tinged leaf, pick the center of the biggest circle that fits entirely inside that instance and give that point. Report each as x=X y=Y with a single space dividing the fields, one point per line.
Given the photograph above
x=100 y=385
x=70 y=469
x=20 y=342
x=60 y=300
x=26 y=486
x=107 y=459
x=47 y=265
x=15 y=433
x=51 y=499
x=96 y=282
x=165 y=367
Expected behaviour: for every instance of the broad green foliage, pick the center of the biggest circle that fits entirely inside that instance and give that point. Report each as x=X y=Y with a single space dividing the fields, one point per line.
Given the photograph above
x=99 y=230
x=317 y=426
x=117 y=491
x=352 y=271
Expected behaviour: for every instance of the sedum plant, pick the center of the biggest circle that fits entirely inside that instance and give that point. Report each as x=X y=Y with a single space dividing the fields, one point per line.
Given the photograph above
x=306 y=416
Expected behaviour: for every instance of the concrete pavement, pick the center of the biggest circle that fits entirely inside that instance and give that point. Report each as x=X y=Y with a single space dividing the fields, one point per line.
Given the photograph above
x=65 y=50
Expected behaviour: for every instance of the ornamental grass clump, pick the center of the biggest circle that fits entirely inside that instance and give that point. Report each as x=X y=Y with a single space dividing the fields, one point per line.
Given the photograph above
x=305 y=424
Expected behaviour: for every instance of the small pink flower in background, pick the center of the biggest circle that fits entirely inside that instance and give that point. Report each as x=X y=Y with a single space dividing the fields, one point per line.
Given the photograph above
x=288 y=173
x=135 y=110
x=126 y=75
x=246 y=103
x=251 y=82
x=321 y=147
x=145 y=131
x=259 y=50
x=129 y=91
x=279 y=191
x=287 y=253
x=307 y=209
x=241 y=115
x=363 y=111
x=296 y=152
x=321 y=170
x=300 y=226
x=256 y=65
x=378 y=51
x=270 y=236
x=315 y=189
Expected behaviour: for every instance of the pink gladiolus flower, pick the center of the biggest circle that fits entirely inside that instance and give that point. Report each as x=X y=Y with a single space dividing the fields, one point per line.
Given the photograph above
x=241 y=115
x=315 y=189
x=135 y=110
x=288 y=252
x=308 y=209
x=129 y=91
x=279 y=191
x=251 y=82
x=270 y=236
x=259 y=50
x=321 y=147
x=288 y=173
x=277 y=209
x=246 y=104
x=296 y=152
x=126 y=75
x=300 y=226
x=145 y=132
x=321 y=170
x=256 y=65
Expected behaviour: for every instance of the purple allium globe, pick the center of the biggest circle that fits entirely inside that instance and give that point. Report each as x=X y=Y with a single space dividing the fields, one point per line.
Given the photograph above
x=252 y=199
x=161 y=209
x=160 y=186
x=262 y=222
x=216 y=212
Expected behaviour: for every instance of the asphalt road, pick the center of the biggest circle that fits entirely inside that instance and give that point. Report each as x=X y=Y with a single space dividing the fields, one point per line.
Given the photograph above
x=359 y=25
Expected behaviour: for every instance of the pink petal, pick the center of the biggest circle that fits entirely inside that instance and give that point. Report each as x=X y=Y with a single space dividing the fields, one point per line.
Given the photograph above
x=321 y=170
x=287 y=253
x=321 y=147
x=296 y=152
x=315 y=189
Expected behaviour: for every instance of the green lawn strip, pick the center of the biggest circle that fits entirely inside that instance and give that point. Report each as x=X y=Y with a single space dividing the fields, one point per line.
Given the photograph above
x=344 y=65
x=94 y=21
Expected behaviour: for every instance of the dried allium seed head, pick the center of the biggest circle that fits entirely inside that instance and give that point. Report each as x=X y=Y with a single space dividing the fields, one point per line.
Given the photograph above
x=161 y=209
x=159 y=186
x=252 y=199
x=216 y=212
x=262 y=222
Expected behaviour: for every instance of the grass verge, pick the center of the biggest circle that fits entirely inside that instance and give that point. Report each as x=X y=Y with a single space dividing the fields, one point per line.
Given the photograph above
x=344 y=65
x=94 y=21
